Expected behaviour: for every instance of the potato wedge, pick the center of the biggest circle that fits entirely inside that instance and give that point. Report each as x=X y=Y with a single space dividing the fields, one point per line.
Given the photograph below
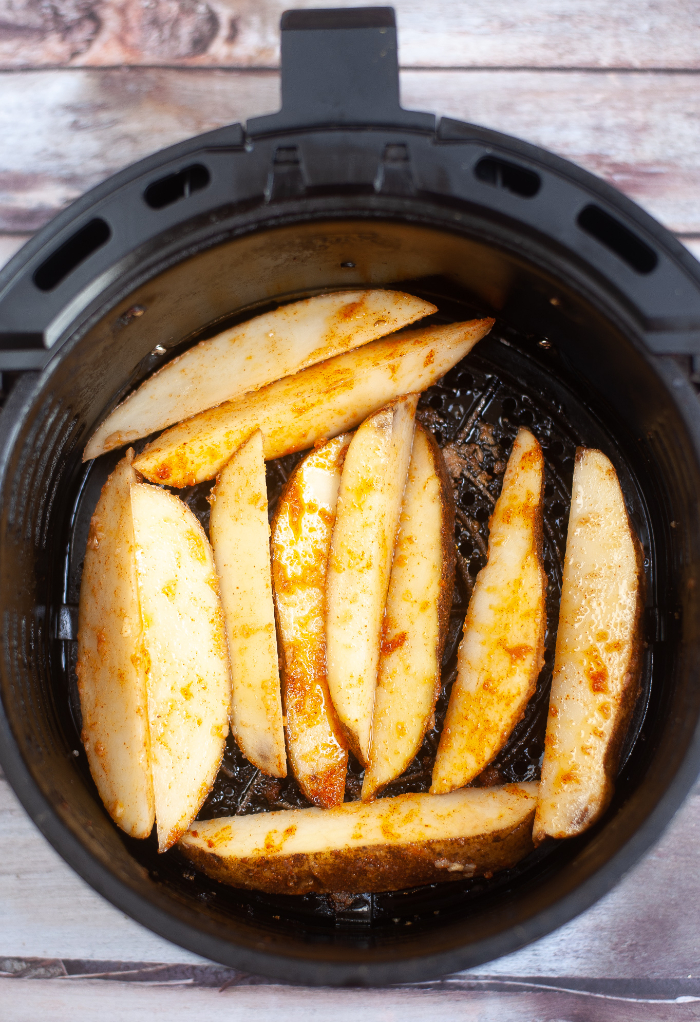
x=253 y=354
x=417 y=614
x=598 y=656
x=315 y=404
x=301 y=541
x=240 y=535
x=359 y=847
x=359 y=566
x=187 y=668
x=111 y=673
x=502 y=652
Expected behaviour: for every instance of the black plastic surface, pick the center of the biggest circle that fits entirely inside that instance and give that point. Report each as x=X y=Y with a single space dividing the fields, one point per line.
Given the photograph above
x=340 y=67
x=71 y=254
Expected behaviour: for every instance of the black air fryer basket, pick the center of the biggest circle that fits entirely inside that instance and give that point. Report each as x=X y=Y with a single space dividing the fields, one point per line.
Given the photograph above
x=597 y=330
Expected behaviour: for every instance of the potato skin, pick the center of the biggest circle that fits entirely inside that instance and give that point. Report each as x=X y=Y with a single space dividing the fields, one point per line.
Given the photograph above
x=596 y=807
x=449 y=560
x=372 y=869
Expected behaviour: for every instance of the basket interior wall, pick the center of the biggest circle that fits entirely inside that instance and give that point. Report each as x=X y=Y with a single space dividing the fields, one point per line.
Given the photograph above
x=569 y=357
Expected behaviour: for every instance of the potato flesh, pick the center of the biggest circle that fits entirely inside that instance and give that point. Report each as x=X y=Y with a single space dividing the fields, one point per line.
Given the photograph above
x=385 y=845
x=111 y=674
x=240 y=535
x=301 y=540
x=315 y=404
x=187 y=669
x=359 y=566
x=253 y=354
x=502 y=651
x=597 y=662
x=417 y=611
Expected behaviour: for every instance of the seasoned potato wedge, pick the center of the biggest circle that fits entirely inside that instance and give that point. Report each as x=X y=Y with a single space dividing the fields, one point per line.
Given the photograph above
x=417 y=614
x=362 y=546
x=385 y=845
x=187 y=668
x=598 y=655
x=253 y=354
x=502 y=652
x=111 y=674
x=240 y=535
x=301 y=540
x=315 y=404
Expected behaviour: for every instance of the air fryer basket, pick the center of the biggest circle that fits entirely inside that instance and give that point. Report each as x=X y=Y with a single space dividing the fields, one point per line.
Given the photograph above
x=598 y=328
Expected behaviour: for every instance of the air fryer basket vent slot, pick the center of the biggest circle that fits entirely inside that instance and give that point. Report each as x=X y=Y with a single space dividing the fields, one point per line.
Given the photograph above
x=72 y=253
x=504 y=174
x=167 y=190
x=618 y=238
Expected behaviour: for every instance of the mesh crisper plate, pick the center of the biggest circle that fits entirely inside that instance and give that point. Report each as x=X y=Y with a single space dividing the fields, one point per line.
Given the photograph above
x=474 y=412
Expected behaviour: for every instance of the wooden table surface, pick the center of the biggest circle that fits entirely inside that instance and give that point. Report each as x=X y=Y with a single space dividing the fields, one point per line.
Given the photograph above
x=88 y=86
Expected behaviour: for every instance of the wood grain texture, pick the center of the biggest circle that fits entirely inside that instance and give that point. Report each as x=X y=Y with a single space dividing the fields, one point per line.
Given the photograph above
x=9 y=244
x=646 y=928
x=62 y=132
x=444 y=33
x=79 y=1000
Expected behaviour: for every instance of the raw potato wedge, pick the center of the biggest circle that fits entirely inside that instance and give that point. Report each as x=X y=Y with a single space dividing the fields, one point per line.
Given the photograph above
x=188 y=677
x=502 y=652
x=385 y=845
x=417 y=614
x=301 y=541
x=362 y=546
x=315 y=404
x=253 y=354
x=598 y=656
x=240 y=535
x=111 y=673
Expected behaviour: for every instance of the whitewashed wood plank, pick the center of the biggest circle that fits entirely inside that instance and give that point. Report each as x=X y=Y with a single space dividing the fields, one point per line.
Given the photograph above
x=646 y=927
x=640 y=132
x=9 y=244
x=67 y=1000
x=63 y=131
x=693 y=244
x=64 y=1001
x=245 y=33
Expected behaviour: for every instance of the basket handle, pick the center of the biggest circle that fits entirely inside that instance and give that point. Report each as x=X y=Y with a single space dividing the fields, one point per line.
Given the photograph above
x=339 y=67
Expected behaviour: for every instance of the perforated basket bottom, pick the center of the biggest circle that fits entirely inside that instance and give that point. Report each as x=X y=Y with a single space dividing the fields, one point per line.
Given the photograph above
x=474 y=412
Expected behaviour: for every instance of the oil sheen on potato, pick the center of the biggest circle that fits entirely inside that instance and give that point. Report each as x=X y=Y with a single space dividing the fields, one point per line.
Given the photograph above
x=301 y=540
x=502 y=651
x=598 y=656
